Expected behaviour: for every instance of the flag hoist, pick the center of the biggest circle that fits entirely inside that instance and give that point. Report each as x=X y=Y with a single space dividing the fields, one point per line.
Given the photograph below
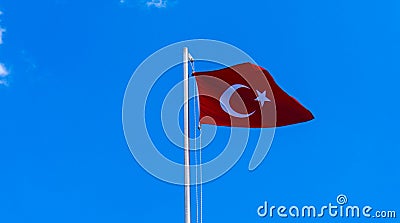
x=186 y=57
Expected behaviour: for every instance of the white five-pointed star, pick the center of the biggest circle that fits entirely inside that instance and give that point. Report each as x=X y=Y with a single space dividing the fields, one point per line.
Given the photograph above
x=261 y=98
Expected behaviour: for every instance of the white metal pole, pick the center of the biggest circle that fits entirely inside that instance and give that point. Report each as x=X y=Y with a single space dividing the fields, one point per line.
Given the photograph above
x=186 y=131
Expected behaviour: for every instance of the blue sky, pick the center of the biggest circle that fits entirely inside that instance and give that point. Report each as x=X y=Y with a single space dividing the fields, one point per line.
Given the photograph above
x=64 y=66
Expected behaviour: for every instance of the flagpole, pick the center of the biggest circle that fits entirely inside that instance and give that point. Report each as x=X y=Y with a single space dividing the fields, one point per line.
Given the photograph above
x=186 y=131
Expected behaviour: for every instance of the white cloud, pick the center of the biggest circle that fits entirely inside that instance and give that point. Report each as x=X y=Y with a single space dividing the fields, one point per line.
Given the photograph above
x=3 y=71
x=157 y=3
x=1 y=31
x=1 y=35
x=3 y=82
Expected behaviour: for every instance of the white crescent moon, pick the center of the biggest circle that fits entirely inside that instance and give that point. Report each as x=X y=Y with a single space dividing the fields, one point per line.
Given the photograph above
x=225 y=98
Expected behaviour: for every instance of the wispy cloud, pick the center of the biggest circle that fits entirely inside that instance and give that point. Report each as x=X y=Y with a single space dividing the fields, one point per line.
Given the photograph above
x=3 y=74
x=3 y=82
x=1 y=31
x=1 y=34
x=3 y=70
x=157 y=3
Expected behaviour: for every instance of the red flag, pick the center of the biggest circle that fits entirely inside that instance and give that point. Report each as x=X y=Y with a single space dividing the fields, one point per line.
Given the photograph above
x=246 y=95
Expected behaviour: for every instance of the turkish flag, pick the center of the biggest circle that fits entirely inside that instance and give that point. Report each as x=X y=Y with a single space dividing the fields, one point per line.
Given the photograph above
x=246 y=95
